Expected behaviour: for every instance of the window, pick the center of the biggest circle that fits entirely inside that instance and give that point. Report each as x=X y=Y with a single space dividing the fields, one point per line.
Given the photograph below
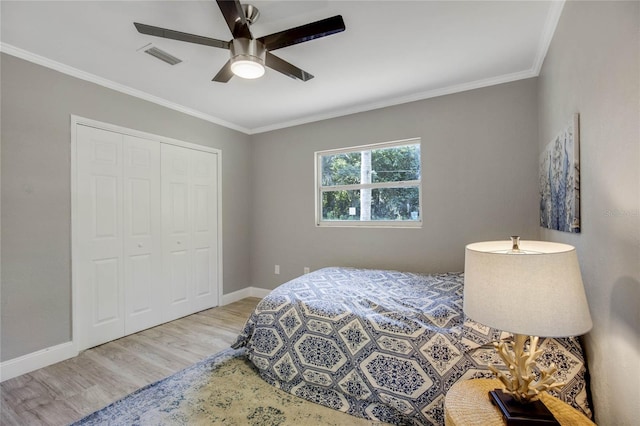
x=372 y=185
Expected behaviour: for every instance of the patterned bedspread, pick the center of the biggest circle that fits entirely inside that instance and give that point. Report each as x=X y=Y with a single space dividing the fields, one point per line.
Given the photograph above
x=383 y=345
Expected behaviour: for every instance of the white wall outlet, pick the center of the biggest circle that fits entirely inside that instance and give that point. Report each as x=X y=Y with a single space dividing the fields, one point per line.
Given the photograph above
x=277 y=270
x=306 y=269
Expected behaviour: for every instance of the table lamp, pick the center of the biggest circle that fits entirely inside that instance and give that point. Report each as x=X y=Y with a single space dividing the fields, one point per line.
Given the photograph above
x=530 y=289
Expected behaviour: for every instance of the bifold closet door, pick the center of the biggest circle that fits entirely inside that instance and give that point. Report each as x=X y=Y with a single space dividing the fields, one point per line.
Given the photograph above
x=190 y=240
x=204 y=205
x=117 y=224
x=99 y=269
x=142 y=234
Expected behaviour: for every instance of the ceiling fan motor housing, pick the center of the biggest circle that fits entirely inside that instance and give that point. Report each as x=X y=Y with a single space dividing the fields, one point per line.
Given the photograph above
x=247 y=49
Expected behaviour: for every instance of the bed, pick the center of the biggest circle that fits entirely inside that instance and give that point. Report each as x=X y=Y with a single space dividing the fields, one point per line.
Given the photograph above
x=383 y=345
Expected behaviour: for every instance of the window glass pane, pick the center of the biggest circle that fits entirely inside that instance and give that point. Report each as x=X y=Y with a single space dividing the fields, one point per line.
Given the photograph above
x=395 y=204
x=395 y=164
x=341 y=205
x=341 y=169
x=388 y=204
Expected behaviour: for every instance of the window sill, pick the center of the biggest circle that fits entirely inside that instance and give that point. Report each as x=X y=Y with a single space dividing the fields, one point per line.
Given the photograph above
x=377 y=224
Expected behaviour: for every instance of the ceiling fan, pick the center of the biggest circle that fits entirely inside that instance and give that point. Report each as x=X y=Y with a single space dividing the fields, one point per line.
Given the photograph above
x=249 y=55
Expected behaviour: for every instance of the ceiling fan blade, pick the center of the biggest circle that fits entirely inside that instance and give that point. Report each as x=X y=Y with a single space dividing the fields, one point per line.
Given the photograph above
x=177 y=35
x=322 y=28
x=280 y=65
x=234 y=15
x=225 y=73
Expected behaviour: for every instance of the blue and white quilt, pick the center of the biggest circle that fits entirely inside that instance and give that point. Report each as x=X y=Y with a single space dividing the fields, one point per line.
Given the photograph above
x=383 y=345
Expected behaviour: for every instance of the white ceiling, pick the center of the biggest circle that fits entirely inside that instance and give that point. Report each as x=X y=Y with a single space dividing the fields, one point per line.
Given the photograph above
x=391 y=52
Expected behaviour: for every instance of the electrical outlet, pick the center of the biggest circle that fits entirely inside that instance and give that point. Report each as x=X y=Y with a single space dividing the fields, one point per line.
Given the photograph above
x=277 y=270
x=306 y=269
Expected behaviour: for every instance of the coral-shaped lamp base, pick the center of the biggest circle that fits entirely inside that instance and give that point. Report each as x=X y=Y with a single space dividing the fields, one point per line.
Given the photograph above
x=521 y=382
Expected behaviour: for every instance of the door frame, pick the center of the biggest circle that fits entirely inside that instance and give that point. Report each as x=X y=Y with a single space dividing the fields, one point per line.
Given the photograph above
x=75 y=121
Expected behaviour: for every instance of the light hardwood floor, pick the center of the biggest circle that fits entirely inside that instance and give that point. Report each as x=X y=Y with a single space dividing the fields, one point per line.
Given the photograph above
x=65 y=392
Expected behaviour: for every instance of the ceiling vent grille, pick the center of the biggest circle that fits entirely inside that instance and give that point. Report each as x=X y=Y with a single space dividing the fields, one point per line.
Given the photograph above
x=161 y=54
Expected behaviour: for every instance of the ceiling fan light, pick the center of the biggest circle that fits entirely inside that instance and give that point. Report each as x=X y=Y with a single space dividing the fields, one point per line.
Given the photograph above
x=247 y=58
x=247 y=68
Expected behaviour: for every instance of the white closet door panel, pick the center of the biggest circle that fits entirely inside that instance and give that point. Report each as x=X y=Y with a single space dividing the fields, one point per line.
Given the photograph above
x=142 y=289
x=201 y=209
x=179 y=224
x=140 y=193
x=179 y=278
x=106 y=279
x=176 y=232
x=142 y=234
x=104 y=191
x=204 y=220
x=202 y=271
x=99 y=236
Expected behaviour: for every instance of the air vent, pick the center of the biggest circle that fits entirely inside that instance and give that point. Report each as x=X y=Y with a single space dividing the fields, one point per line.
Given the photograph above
x=156 y=52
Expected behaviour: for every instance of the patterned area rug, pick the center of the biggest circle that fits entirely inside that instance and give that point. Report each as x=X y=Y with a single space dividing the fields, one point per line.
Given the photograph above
x=223 y=389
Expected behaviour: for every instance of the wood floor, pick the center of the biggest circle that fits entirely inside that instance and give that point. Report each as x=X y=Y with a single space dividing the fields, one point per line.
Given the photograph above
x=65 y=392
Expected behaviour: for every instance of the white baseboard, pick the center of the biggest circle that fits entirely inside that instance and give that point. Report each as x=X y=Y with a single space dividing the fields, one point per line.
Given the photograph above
x=27 y=363
x=42 y=358
x=245 y=292
x=259 y=292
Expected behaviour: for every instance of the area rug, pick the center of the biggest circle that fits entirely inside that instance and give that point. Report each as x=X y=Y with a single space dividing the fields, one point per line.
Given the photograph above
x=224 y=389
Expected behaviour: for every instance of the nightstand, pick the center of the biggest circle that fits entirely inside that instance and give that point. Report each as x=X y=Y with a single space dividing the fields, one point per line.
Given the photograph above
x=467 y=404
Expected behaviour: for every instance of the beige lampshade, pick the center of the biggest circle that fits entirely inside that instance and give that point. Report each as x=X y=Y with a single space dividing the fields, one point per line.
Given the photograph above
x=537 y=292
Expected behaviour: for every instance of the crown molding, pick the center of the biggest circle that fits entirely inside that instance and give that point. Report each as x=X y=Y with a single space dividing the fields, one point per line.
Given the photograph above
x=82 y=75
x=507 y=78
x=550 y=25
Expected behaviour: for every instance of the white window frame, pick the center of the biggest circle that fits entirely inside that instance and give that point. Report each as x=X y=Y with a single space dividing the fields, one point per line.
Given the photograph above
x=319 y=189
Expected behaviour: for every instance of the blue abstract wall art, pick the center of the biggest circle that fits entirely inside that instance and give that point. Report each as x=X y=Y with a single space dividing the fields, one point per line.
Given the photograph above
x=560 y=180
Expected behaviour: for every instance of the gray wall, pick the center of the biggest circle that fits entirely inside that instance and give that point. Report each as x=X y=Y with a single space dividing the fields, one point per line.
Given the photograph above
x=479 y=182
x=593 y=68
x=36 y=203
